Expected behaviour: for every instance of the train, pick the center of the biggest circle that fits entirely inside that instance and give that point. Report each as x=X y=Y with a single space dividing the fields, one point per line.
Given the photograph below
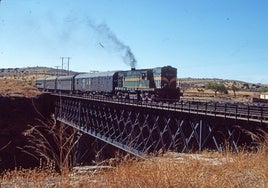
x=158 y=83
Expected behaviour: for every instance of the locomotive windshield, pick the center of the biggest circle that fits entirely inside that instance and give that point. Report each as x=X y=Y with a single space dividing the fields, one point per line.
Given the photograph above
x=168 y=77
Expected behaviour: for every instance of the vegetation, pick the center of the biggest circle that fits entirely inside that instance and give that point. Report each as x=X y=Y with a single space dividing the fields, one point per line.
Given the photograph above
x=207 y=169
x=52 y=143
x=217 y=87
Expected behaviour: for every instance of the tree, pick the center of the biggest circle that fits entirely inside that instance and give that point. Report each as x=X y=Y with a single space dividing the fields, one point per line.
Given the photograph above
x=234 y=88
x=217 y=87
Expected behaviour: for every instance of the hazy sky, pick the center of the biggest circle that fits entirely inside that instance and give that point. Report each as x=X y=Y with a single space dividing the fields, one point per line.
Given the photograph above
x=202 y=38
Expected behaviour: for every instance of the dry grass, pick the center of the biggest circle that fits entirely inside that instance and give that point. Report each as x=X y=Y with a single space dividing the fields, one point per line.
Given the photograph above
x=17 y=87
x=243 y=170
x=173 y=170
x=53 y=143
x=28 y=178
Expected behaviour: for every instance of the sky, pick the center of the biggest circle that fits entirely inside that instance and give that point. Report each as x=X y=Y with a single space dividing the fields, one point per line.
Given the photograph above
x=226 y=39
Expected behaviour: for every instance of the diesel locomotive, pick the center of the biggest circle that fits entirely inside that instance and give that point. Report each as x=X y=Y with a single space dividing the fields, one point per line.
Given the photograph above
x=142 y=84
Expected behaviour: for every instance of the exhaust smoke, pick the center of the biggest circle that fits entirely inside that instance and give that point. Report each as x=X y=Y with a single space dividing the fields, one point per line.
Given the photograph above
x=115 y=44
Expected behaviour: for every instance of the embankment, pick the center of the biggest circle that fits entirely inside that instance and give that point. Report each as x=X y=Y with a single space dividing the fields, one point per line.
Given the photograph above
x=16 y=114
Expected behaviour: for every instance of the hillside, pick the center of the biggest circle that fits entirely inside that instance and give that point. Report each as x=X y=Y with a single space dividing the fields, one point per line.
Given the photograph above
x=33 y=72
x=201 y=82
x=18 y=88
x=21 y=81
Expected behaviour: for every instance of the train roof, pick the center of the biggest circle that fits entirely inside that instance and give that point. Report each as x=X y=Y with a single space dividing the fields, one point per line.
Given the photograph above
x=98 y=74
x=65 y=77
x=52 y=78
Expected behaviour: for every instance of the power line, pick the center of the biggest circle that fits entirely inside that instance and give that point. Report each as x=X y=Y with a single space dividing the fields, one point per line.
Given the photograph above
x=68 y=64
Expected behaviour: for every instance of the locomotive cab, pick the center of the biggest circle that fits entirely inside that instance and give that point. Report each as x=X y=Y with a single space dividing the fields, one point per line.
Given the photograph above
x=166 y=83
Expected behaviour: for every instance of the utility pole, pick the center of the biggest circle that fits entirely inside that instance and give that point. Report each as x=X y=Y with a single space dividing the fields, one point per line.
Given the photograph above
x=57 y=70
x=62 y=58
x=36 y=74
x=68 y=64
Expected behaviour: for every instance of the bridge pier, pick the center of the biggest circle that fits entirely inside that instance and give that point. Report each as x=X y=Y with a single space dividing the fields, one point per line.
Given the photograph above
x=91 y=151
x=84 y=155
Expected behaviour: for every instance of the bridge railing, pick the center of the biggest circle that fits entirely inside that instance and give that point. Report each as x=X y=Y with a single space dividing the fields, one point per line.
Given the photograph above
x=237 y=110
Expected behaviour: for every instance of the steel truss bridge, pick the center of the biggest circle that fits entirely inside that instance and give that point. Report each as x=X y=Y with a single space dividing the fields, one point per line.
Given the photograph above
x=143 y=128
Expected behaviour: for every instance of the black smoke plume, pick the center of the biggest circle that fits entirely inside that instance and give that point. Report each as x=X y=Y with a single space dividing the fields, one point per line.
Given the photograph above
x=111 y=40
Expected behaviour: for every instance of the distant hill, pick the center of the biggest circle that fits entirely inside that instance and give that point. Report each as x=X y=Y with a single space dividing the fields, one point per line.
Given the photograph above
x=33 y=72
x=201 y=83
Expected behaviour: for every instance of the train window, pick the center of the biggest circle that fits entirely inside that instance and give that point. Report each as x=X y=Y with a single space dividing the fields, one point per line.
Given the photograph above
x=143 y=76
